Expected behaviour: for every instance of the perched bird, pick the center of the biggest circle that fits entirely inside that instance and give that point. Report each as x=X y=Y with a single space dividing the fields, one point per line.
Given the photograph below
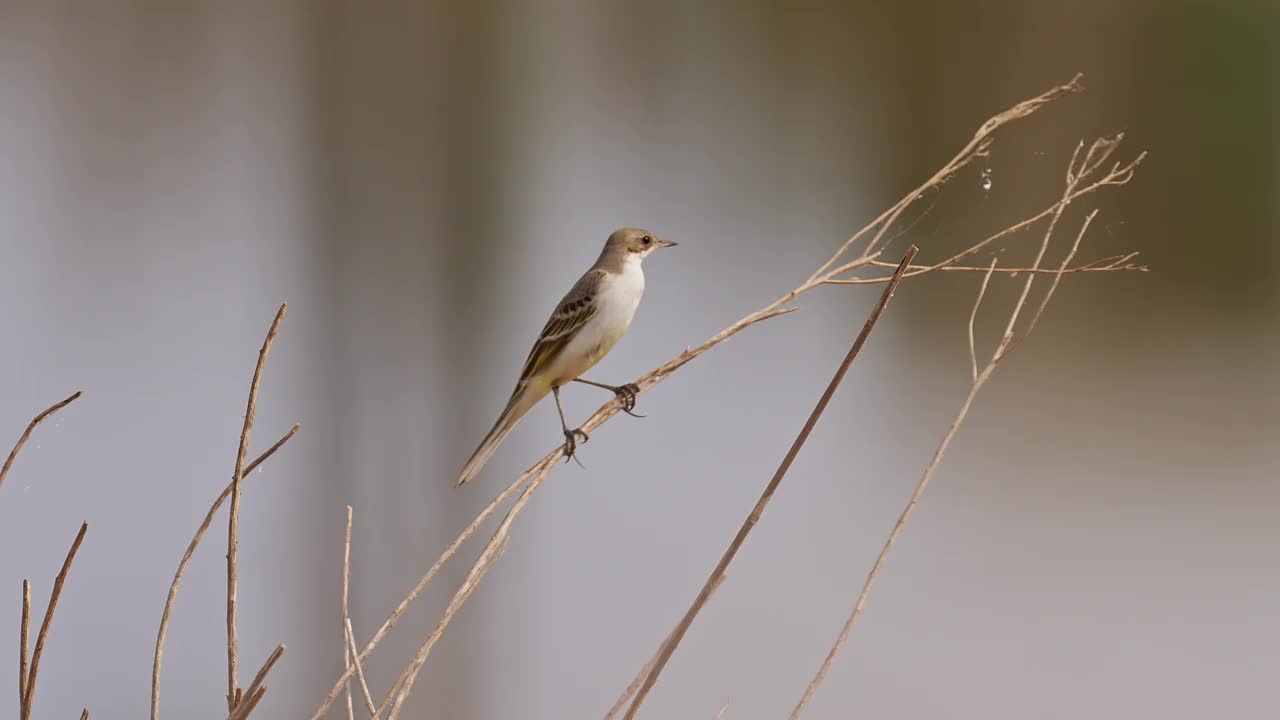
x=585 y=326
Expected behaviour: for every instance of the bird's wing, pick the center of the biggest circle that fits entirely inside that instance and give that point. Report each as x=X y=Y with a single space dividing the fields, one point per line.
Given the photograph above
x=574 y=311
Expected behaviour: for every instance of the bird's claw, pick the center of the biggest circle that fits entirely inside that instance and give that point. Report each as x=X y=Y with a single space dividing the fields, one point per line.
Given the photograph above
x=627 y=394
x=571 y=440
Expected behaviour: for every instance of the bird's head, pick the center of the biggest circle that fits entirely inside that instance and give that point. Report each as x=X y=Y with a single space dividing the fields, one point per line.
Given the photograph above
x=641 y=242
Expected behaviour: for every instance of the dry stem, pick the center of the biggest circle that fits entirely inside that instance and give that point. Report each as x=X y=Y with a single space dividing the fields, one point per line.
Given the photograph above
x=13 y=454
x=1005 y=345
x=24 y=635
x=348 y=633
x=256 y=689
x=346 y=612
x=828 y=273
x=233 y=525
x=158 y=660
x=627 y=694
x=29 y=692
x=767 y=495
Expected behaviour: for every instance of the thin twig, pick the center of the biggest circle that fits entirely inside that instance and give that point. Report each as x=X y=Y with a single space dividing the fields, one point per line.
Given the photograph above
x=349 y=634
x=263 y=671
x=233 y=524
x=493 y=551
x=723 y=709
x=1001 y=352
x=973 y=315
x=84 y=714
x=977 y=147
x=421 y=585
x=248 y=703
x=8 y=463
x=769 y=490
x=346 y=611
x=1100 y=265
x=627 y=694
x=158 y=660
x=24 y=661
x=364 y=684
x=38 y=653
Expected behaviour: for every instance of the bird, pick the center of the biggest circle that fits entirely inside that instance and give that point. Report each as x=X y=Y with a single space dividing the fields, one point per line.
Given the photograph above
x=590 y=319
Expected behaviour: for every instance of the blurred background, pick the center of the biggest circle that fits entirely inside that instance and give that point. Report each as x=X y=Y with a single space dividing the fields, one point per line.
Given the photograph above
x=422 y=181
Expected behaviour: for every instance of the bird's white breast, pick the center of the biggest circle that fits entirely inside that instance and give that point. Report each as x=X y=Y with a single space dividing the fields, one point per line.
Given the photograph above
x=617 y=299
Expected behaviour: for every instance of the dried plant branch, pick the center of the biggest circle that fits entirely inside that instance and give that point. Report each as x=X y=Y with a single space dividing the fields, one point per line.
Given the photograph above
x=493 y=551
x=1115 y=263
x=825 y=274
x=973 y=315
x=355 y=659
x=348 y=633
x=30 y=691
x=233 y=524
x=977 y=147
x=248 y=703
x=174 y=586
x=421 y=585
x=1096 y=155
x=346 y=611
x=256 y=689
x=24 y=635
x=770 y=488
x=723 y=709
x=84 y=714
x=13 y=454
x=627 y=694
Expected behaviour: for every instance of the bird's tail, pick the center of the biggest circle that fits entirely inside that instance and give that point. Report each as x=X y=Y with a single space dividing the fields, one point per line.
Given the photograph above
x=525 y=397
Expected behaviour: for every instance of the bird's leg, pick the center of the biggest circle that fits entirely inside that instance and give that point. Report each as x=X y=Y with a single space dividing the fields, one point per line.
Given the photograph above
x=626 y=393
x=570 y=436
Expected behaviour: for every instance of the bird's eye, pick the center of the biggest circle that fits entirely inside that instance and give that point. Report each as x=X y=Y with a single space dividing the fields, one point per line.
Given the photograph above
x=646 y=240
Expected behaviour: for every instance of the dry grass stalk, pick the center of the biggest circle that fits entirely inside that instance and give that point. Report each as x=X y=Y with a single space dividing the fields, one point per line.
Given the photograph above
x=257 y=689
x=829 y=273
x=346 y=612
x=84 y=714
x=417 y=589
x=13 y=454
x=176 y=584
x=248 y=703
x=1077 y=172
x=355 y=659
x=627 y=694
x=349 y=634
x=723 y=709
x=756 y=512
x=29 y=690
x=493 y=551
x=233 y=524
x=24 y=636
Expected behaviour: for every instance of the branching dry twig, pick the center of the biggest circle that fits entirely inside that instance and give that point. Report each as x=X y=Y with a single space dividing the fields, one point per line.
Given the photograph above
x=13 y=454
x=1097 y=154
x=158 y=660
x=257 y=689
x=774 y=482
x=627 y=694
x=29 y=692
x=833 y=271
x=233 y=525
x=349 y=634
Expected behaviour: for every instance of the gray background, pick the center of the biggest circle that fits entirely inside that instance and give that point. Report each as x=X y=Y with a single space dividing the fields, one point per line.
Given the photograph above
x=421 y=181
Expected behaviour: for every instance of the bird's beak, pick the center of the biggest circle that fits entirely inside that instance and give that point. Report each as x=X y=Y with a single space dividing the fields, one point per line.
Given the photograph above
x=666 y=243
